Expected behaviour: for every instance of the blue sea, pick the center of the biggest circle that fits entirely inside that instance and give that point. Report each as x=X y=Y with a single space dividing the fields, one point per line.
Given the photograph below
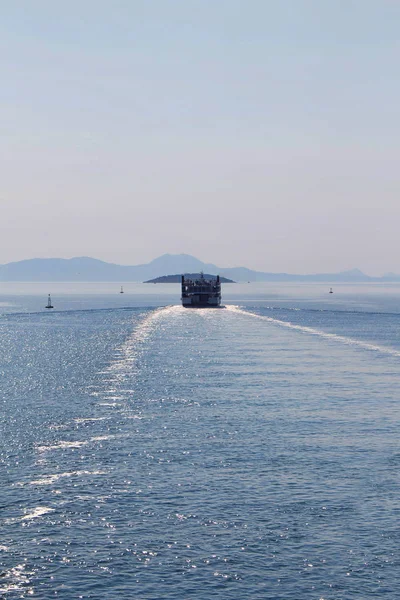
x=153 y=452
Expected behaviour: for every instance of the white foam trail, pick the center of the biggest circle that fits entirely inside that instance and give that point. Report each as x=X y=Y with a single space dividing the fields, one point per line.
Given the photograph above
x=37 y=512
x=61 y=445
x=49 y=479
x=89 y=419
x=317 y=332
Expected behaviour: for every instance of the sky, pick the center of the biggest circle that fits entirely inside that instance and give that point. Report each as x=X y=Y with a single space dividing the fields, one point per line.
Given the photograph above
x=245 y=132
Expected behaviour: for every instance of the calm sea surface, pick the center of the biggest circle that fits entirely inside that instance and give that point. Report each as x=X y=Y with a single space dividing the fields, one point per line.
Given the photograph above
x=153 y=452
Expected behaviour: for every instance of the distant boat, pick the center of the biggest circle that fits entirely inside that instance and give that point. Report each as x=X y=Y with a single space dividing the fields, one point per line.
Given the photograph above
x=49 y=304
x=331 y=291
x=201 y=292
x=121 y=290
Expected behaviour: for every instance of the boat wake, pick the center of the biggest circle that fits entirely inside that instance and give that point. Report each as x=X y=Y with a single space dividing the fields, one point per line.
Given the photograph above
x=16 y=580
x=118 y=374
x=316 y=332
x=131 y=349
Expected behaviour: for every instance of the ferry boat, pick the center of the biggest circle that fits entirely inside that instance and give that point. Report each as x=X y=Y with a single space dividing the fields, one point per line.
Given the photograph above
x=201 y=292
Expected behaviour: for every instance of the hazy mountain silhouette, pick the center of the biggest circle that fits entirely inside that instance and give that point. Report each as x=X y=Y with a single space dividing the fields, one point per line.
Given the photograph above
x=91 y=269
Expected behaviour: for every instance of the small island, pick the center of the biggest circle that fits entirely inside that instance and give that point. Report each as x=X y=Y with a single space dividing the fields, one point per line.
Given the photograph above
x=178 y=278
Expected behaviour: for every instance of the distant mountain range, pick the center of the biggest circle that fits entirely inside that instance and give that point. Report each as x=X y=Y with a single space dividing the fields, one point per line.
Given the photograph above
x=91 y=269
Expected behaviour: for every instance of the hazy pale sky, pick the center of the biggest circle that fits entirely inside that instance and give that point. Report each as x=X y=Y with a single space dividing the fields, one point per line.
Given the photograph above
x=261 y=133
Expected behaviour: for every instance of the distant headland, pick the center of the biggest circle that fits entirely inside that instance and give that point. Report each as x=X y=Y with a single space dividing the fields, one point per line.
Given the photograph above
x=91 y=269
x=177 y=278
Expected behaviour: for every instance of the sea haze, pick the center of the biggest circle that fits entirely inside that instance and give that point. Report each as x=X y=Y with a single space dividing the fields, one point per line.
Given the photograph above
x=150 y=451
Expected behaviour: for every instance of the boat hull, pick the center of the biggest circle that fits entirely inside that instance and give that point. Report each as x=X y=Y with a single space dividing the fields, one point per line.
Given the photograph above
x=202 y=306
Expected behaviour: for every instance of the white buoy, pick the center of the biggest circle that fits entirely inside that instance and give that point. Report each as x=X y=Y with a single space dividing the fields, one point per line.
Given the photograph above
x=49 y=304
